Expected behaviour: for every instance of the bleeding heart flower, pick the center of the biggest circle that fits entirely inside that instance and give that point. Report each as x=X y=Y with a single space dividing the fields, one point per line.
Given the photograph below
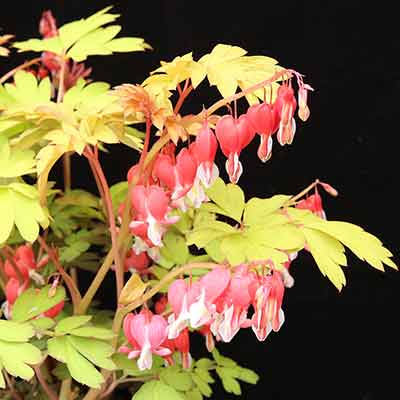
x=182 y=344
x=265 y=120
x=286 y=106
x=193 y=305
x=151 y=206
x=136 y=262
x=146 y=333
x=314 y=204
x=179 y=176
x=267 y=304
x=204 y=149
x=233 y=136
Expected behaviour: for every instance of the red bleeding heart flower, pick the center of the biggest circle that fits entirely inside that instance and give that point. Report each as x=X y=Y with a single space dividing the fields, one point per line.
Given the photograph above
x=286 y=105
x=233 y=136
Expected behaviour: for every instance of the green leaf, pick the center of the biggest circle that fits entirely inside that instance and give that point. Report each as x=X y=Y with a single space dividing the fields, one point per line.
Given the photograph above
x=258 y=210
x=204 y=374
x=230 y=198
x=174 y=248
x=206 y=233
x=222 y=360
x=72 y=252
x=42 y=324
x=230 y=384
x=61 y=372
x=14 y=163
x=194 y=394
x=22 y=204
x=204 y=363
x=14 y=357
x=34 y=302
x=78 y=366
x=96 y=351
x=15 y=332
x=202 y=385
x=247 y=375
x=179 y=379
x=118 y=193
x=130 y=367
x=68 y=324
x=93 y=332
x=157 y=390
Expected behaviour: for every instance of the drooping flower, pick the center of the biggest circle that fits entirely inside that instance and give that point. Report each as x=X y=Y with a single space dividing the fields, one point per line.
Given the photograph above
x=286 y=107
x=304 y=111
x=151 y=206
x=136 y=262
x=193 y=305
x=235 y=303
x=204 y=149
x=182 y=344
x=145 y=333
x=233 y=136
x=12 y=290
x=265 y=121
x=267 y=305
x=177 y=176
x=313 y=203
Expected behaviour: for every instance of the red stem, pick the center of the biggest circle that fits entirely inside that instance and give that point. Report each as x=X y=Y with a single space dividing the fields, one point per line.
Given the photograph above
x=119 y=270
x=182 y=96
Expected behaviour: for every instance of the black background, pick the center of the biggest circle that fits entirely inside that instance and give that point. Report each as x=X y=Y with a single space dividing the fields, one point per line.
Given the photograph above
x=332 y=346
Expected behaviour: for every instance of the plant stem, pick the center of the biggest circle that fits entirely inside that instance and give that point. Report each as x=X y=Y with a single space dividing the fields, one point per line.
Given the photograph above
x=119 y=267
x=73 y=290
x=14 y=394
x=60 y=96
x=49 y=391
x=94 y=286
x=122 y=380
x=244 y=92
x=11 y=73
x=293 y=199
x=65 y=390
x=182 y=96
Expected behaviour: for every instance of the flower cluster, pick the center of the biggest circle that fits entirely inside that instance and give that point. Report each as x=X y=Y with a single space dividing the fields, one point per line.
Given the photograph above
x=21 y=270
x=217 y=305
x=179 y=182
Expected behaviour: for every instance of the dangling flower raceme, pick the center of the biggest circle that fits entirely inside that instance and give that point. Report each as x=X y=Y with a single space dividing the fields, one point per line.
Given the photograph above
x=151 y=207
x=233 y=136
x=193 y=304
x=146 y=333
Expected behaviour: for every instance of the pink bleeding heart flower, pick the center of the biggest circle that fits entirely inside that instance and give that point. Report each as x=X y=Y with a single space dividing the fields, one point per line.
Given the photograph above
x=235 y=302
x=267 y=304
x=193 y=305
x=204 y=149
x=286 y=105
x=265 y=121
x=304 y=111
x=233 y=136
x=151 y=205
x=145 y=333
x=177 y=176
x=314 y=204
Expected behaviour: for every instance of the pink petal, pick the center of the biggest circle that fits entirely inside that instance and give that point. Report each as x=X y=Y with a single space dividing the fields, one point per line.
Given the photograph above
x=157 y=331
x=215 y=282
x=176 y=291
